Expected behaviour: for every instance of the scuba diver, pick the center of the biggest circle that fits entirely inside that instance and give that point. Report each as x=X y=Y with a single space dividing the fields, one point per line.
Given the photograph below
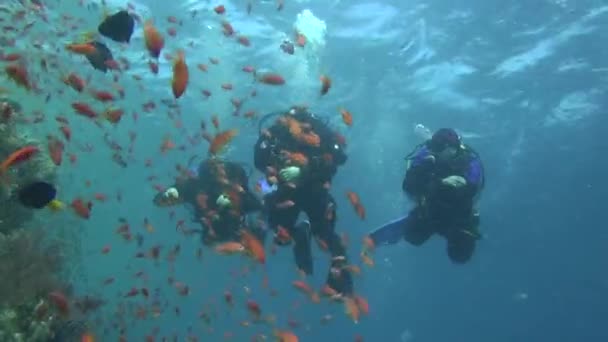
x=219 y=192
x=300 y=154
x=444 y=177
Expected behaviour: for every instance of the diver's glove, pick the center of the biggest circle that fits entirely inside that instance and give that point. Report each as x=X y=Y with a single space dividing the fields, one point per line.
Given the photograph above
x=223 y=201
x=454 y=181
x=290 y=173
x=171 y=193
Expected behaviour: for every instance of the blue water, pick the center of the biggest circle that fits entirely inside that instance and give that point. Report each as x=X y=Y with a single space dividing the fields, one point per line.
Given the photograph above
x=524 y=82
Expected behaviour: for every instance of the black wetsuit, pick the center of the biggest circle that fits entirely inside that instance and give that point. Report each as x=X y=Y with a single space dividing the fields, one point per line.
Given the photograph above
x=442 y=209
x=310 y=192
x=215 y=178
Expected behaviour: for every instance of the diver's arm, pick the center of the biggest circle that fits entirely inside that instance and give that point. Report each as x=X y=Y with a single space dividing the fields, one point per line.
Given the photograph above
x=250 y=202
x=322 y=168
x=187 y=189
x=418 y=177
x=180 y=192
x=465 y=185
x=262 y=153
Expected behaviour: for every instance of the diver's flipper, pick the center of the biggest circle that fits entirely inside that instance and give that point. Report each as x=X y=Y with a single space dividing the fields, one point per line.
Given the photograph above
x=302 y=253
x=342 y=282
x=118 y=27
x=101 y=56
x=390 y=233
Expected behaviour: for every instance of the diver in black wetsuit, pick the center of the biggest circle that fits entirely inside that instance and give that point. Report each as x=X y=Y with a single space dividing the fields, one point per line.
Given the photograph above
x=300 y=154
x=444 y=178
x=220 y=195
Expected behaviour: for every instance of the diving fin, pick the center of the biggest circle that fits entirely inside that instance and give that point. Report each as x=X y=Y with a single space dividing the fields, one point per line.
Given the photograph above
x=389 y=233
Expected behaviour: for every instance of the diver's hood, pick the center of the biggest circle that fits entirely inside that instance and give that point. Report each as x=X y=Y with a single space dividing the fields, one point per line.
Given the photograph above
x=160 y=200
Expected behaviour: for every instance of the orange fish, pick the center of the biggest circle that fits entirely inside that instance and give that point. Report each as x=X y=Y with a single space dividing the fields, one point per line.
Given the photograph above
x=66 y=131
x=85 y=49
x=227 y=28
x=243 y=40
x=87 y=338
x=75 y=82
x=368 y=244
x=167 y=144
x=253 y=246
x=362 y=304
x=347 y=117
x=352 y=309
x=306 y=289
x=285 y=336
x=55 y=147
x=230 y=247
x=180 y=75
x=154 y=40
x=21 y=155
x=102 y=95
x=367 y=259
x=356 y=203
x=325 y=84
x=81 y=208
x=18 y=74
x=302 y=286
x=221 y=140
x=270 y=78
x=254 y=308
x=60 y=301
x=113 y=115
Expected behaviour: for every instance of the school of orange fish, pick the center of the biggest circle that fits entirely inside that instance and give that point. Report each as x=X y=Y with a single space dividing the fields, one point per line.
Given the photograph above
x=38 y=71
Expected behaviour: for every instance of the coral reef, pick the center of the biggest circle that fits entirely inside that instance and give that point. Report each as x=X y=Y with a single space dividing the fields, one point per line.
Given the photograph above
x=31 y=267
x=23 y=326
x=31 y=264
x=40 y=167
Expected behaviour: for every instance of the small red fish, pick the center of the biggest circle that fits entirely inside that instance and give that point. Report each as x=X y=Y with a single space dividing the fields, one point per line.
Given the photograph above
x=180 y=75
x=55 y=148
x=84 y=109
x=22 y=154
x=270 y=78
x=66 y=131
x=154 y=40
x=18 y=74
x=82 y=208
x=60 y=301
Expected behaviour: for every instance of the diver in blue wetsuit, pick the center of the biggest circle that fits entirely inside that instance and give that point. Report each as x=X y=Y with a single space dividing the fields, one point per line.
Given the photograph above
x=444 y=178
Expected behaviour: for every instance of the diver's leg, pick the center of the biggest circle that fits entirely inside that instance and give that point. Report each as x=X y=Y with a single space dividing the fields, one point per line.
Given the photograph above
x=418 y=229
x=280 y=216
x=321 y=211
x=461 y=241
x=286 y=218
x=301 y=235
